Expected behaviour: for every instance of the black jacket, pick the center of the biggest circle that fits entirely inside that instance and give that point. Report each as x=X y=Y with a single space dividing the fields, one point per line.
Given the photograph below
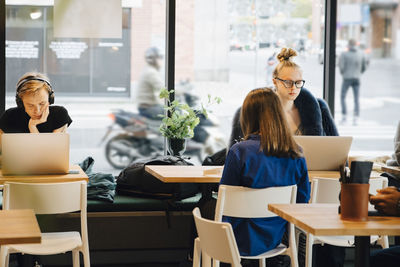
x=316 y=118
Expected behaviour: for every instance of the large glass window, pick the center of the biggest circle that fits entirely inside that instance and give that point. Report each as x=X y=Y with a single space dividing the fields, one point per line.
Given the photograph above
x=367 y=96
x=91 y=77
x=226 y=48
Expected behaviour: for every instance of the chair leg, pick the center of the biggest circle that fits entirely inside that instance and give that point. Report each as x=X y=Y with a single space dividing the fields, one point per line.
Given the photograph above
x=383 y=241
x=215 y=263
x=86 y=256
x=196 y=253
x=262 y=262
x=75 y=258
x=206 y=260
x=292 y=246
x=309 y=246
x=4 y=256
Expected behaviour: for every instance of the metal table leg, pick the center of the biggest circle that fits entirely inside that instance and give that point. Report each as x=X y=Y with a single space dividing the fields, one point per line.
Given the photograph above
x=362 y=244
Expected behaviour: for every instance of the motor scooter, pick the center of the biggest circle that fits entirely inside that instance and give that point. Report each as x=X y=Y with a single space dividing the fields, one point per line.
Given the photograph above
x=138 y=137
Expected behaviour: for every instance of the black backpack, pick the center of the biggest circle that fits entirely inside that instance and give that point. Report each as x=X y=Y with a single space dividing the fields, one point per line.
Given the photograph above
x=134 y=180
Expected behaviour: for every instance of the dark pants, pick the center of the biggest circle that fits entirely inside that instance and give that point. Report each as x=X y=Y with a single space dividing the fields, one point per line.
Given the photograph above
x=386 y=257
x=355 y=84
x=328 y=256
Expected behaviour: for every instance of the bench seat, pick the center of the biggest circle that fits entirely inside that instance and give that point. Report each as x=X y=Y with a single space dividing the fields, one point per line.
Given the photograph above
x=132 y=230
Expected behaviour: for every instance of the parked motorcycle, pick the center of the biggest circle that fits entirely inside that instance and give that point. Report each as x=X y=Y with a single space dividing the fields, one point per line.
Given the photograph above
x=139 y=137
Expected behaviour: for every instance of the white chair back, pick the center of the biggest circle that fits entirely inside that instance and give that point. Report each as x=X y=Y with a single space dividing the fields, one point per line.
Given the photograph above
x=216 y=240
x=244 y=202
x=49 y=198
x=326 y=190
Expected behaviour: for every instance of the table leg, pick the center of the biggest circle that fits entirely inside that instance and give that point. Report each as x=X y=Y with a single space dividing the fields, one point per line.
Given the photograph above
x=207 y=203
x=362 y=244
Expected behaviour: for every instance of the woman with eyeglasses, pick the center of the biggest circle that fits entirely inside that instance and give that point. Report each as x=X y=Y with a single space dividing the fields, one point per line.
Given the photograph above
x=306 y=115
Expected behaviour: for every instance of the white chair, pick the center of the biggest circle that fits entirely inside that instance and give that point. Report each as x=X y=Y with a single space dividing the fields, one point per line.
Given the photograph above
x=49 y=198
x=244 y=202
x=326 y=190
x=216 y=240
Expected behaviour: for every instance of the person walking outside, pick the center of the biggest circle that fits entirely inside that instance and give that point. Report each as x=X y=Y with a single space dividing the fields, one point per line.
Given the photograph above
x=351 y=64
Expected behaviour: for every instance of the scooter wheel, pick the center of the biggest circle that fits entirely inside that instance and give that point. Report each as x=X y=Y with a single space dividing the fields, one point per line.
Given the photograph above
x=118 y=158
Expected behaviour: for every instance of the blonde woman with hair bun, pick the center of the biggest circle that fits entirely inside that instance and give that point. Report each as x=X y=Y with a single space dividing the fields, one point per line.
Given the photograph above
x=305 y=114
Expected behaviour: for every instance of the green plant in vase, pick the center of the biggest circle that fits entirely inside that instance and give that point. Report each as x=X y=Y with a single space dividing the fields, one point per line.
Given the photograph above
x=182 y=121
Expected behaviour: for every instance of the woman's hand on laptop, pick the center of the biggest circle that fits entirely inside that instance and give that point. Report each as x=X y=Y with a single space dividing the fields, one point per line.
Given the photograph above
x=42 y=119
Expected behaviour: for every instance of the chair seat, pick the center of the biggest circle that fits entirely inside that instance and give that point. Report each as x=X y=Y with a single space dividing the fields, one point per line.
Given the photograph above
x=341 y=241
x=52 y=243
x=280 y=249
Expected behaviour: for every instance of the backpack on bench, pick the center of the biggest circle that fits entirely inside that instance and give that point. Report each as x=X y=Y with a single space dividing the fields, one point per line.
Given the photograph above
x=134 y=180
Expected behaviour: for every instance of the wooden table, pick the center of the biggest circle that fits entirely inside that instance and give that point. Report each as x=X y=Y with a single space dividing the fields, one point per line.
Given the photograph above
x=206 y=174
x=392 y=170
x=323 y=219
x=47 y=178
x=19 y=227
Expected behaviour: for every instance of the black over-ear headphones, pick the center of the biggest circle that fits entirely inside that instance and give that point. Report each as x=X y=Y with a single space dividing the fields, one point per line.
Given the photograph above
x=18 y=99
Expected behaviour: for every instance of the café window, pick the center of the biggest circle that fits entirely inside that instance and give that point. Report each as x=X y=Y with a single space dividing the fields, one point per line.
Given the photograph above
x=75 y=66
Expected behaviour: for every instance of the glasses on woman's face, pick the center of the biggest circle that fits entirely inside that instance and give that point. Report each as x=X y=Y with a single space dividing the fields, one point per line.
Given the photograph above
x=289 y=83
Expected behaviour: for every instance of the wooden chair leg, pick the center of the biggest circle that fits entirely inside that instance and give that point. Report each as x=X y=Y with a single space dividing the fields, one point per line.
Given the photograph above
x=196 y=253
x=75 y=258
x=309 y=246
x=4 y=256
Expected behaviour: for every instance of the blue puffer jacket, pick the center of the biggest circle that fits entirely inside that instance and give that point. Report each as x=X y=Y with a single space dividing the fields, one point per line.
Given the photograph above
x=316 y=118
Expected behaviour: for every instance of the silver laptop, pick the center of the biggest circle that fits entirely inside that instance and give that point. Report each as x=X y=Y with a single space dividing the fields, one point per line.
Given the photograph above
x=35 y=153
x=325 y=153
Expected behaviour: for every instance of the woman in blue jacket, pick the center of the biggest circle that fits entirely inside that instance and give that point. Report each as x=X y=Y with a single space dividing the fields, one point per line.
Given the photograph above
x=306 y=115
x=267 y=157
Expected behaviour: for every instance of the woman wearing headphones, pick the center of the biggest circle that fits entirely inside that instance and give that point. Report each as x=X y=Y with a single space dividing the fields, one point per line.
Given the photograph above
x=34 y=112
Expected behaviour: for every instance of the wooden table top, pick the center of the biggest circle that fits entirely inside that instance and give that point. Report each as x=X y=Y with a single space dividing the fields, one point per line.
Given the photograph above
x=46 y=178
x=323 y=219
x=19 y=227
x=391 y=169
x=186 y=174
x=206 y=174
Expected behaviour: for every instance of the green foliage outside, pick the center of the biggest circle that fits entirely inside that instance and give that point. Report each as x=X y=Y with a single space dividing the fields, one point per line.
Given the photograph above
x=183 y=118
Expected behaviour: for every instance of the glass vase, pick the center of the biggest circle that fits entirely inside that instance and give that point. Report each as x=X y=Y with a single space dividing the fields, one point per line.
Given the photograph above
x=176 y=147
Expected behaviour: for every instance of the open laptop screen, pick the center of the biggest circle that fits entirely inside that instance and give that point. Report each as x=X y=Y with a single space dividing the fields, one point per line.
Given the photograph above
x=325 y=153
x=35 y=153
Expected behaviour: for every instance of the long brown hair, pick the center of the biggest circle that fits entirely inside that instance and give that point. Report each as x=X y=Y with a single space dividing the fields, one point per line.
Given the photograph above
x=262 y=114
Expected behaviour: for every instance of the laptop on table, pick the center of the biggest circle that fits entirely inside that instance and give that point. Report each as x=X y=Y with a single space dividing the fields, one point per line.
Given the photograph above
x=325 y=153
x=35 y=153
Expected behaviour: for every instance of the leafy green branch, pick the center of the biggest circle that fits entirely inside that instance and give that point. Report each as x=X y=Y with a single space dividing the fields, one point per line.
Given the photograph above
x=183 y=119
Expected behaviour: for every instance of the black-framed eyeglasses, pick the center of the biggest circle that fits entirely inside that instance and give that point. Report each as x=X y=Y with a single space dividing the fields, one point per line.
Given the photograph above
x=289 y=83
